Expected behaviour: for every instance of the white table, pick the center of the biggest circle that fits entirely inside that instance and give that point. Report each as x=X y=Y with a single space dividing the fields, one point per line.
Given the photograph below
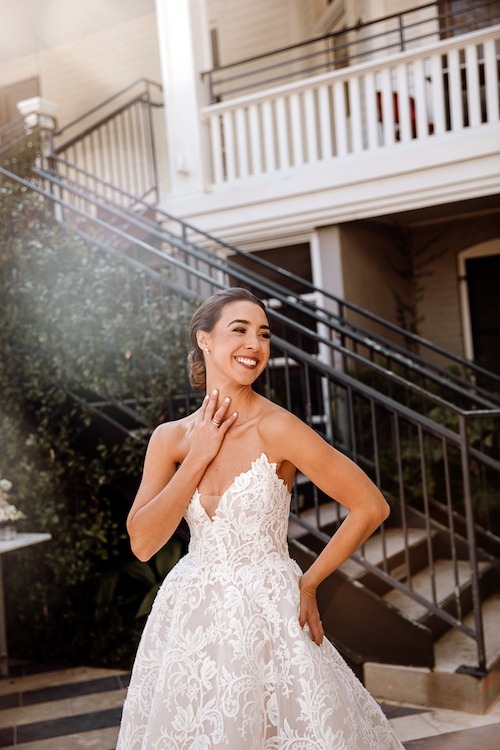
x=9 y=545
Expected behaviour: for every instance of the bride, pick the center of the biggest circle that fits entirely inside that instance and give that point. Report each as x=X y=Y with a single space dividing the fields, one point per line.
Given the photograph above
x=233 y=654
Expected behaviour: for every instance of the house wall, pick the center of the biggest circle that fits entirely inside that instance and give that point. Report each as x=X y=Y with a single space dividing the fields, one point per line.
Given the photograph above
x=249 y=27
x=369 y=263
x=85 y=71
x=440 y=307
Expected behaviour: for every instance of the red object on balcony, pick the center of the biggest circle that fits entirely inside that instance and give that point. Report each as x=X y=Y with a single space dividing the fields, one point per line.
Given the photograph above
x=395 y=109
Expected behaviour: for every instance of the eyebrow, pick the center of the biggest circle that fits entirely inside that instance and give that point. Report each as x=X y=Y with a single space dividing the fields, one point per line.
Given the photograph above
x=247 y=323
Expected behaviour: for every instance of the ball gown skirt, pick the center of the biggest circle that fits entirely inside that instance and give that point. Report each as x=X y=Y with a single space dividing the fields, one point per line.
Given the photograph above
x=223 y=661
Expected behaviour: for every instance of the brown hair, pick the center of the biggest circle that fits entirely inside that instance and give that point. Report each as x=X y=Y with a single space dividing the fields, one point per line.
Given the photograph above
x=204 y=319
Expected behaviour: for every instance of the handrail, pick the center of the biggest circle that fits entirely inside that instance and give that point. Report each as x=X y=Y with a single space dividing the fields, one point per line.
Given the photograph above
x=222 y=264
x=344 y=33
x=364 y=336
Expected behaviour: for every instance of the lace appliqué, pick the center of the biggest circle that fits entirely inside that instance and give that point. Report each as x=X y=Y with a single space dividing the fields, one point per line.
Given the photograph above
x=223 y=662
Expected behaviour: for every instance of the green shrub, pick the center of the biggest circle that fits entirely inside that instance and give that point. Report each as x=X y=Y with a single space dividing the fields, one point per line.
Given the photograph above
x=78 y=326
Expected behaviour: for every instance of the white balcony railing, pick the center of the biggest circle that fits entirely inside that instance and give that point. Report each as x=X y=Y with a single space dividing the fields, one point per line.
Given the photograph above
x=410 y=97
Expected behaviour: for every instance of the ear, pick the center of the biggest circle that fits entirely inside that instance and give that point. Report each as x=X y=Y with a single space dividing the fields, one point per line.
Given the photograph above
x=202 y=339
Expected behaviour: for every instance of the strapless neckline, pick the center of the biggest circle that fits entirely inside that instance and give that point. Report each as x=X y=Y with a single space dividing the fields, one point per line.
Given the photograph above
x=262 y=459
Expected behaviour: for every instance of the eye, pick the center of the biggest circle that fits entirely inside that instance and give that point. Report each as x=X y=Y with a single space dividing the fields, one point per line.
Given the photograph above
x=265 y=335
x=239 y=330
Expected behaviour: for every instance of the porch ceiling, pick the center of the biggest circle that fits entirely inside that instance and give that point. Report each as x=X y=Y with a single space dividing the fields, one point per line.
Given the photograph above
x=30 y=26
x=486 y=205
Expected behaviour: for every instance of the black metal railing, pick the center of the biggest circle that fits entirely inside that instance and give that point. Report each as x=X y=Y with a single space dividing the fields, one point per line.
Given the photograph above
x=418 y=463
x=368 y=40
x=351 y=337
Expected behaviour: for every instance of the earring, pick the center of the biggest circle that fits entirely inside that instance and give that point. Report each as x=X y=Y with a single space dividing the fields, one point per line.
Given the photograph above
x=206 y=349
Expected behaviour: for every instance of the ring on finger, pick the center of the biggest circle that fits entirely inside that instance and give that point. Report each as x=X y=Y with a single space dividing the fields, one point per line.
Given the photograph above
x=216 y=422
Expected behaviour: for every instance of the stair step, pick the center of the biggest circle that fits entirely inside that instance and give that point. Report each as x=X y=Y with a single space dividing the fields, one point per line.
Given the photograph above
x=442 y=686
x=373 y=550
x=330 y=513
x=455 y=648
x=421 y=583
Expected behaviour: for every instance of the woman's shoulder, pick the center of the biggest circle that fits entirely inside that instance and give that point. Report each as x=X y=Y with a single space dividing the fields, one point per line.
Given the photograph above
x=276 y=421
x=170 y=436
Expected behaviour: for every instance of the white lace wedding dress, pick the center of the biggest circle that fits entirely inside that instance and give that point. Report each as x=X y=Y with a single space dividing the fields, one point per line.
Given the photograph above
x=223 y=662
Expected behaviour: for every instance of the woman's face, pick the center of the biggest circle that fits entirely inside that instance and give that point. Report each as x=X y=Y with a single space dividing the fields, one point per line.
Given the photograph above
x=239 y=343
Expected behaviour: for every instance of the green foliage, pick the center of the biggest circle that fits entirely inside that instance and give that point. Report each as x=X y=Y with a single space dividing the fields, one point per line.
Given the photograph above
x=78 y=326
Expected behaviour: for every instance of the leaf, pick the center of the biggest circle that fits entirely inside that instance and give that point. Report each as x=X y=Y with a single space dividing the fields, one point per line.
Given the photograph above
x=147 y=602
x=140 y=571
x=167 y=557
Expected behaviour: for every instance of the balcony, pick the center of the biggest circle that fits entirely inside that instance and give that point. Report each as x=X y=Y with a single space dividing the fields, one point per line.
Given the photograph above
x=389 y=132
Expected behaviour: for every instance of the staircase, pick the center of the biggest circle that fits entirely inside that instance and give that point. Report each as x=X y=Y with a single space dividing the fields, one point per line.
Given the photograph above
x=413 y=416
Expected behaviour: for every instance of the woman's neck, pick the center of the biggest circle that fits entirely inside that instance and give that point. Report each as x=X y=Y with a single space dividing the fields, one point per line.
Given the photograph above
x=243 y=399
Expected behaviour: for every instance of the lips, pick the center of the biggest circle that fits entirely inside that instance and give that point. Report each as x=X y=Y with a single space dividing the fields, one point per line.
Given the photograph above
x=247 y=361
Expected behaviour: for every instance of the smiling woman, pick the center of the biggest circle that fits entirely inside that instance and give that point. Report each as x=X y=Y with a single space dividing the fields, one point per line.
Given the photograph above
x=233 y=654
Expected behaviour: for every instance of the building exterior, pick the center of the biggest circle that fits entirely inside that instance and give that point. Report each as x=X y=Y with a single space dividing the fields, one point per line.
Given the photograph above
x=354 y=148
x=367 y=161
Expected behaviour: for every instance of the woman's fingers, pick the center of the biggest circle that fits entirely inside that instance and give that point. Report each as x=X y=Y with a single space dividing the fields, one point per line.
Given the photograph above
x=309 y=614
x=217 y=415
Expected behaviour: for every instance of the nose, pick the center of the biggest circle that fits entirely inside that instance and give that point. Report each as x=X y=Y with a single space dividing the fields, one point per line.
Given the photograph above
x=252 y=342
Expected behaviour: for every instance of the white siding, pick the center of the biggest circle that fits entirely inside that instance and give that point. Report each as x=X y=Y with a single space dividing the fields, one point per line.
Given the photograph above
x=250 y=27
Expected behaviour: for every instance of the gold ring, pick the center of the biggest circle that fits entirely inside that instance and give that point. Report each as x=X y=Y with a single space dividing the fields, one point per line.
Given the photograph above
x=216 y=422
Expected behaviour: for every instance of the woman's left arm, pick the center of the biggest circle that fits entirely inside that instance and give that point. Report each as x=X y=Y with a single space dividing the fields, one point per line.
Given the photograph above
x=342 y=480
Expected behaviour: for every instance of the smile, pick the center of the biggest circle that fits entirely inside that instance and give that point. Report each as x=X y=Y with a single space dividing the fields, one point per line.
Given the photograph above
x=247 y=361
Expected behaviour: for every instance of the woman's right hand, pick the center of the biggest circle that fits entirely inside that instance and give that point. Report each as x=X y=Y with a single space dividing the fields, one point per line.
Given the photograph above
x=209 y=427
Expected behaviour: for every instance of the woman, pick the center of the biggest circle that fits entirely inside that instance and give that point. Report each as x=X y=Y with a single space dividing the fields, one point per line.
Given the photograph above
x=233 y=654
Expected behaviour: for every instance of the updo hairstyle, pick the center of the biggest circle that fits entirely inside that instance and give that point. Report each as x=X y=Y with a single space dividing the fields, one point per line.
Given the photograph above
x=204 y=319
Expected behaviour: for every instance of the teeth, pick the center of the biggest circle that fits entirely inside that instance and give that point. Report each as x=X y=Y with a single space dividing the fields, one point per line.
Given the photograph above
x=248 y=362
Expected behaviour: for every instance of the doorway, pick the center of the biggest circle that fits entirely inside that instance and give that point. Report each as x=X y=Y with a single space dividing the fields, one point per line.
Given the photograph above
x=480 y=272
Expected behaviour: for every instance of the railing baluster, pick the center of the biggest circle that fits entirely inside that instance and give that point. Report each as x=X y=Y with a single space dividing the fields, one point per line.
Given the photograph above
x=437 y=94
x=422 y=118
x=311 y=118
x=471 y=540
x=355 y=115
x=218 y=149
x=451 y=525
x=455 y=90
x=491 y=81
x=282 y=133
x=325 y=122
x=296 y=130
x=228 y=135
x=372 y=124
x=472 y=85
x=255 y=142
x=340 y=118
x=241 y=142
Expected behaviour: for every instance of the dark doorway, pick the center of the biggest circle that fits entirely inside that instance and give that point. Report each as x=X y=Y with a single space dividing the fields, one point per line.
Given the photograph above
x=483 y=280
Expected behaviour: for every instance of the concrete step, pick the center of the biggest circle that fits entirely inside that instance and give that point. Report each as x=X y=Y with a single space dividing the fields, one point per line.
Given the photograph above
x=421 y=583
x=373 y=550
x=442 y=686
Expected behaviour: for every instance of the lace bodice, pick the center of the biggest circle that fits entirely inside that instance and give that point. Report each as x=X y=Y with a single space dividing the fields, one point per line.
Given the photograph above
x=250 y=523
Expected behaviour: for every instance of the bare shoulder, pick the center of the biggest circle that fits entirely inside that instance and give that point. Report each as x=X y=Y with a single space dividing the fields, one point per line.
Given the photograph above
x=293 y=440
x=281 y=428
x=169 y=438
